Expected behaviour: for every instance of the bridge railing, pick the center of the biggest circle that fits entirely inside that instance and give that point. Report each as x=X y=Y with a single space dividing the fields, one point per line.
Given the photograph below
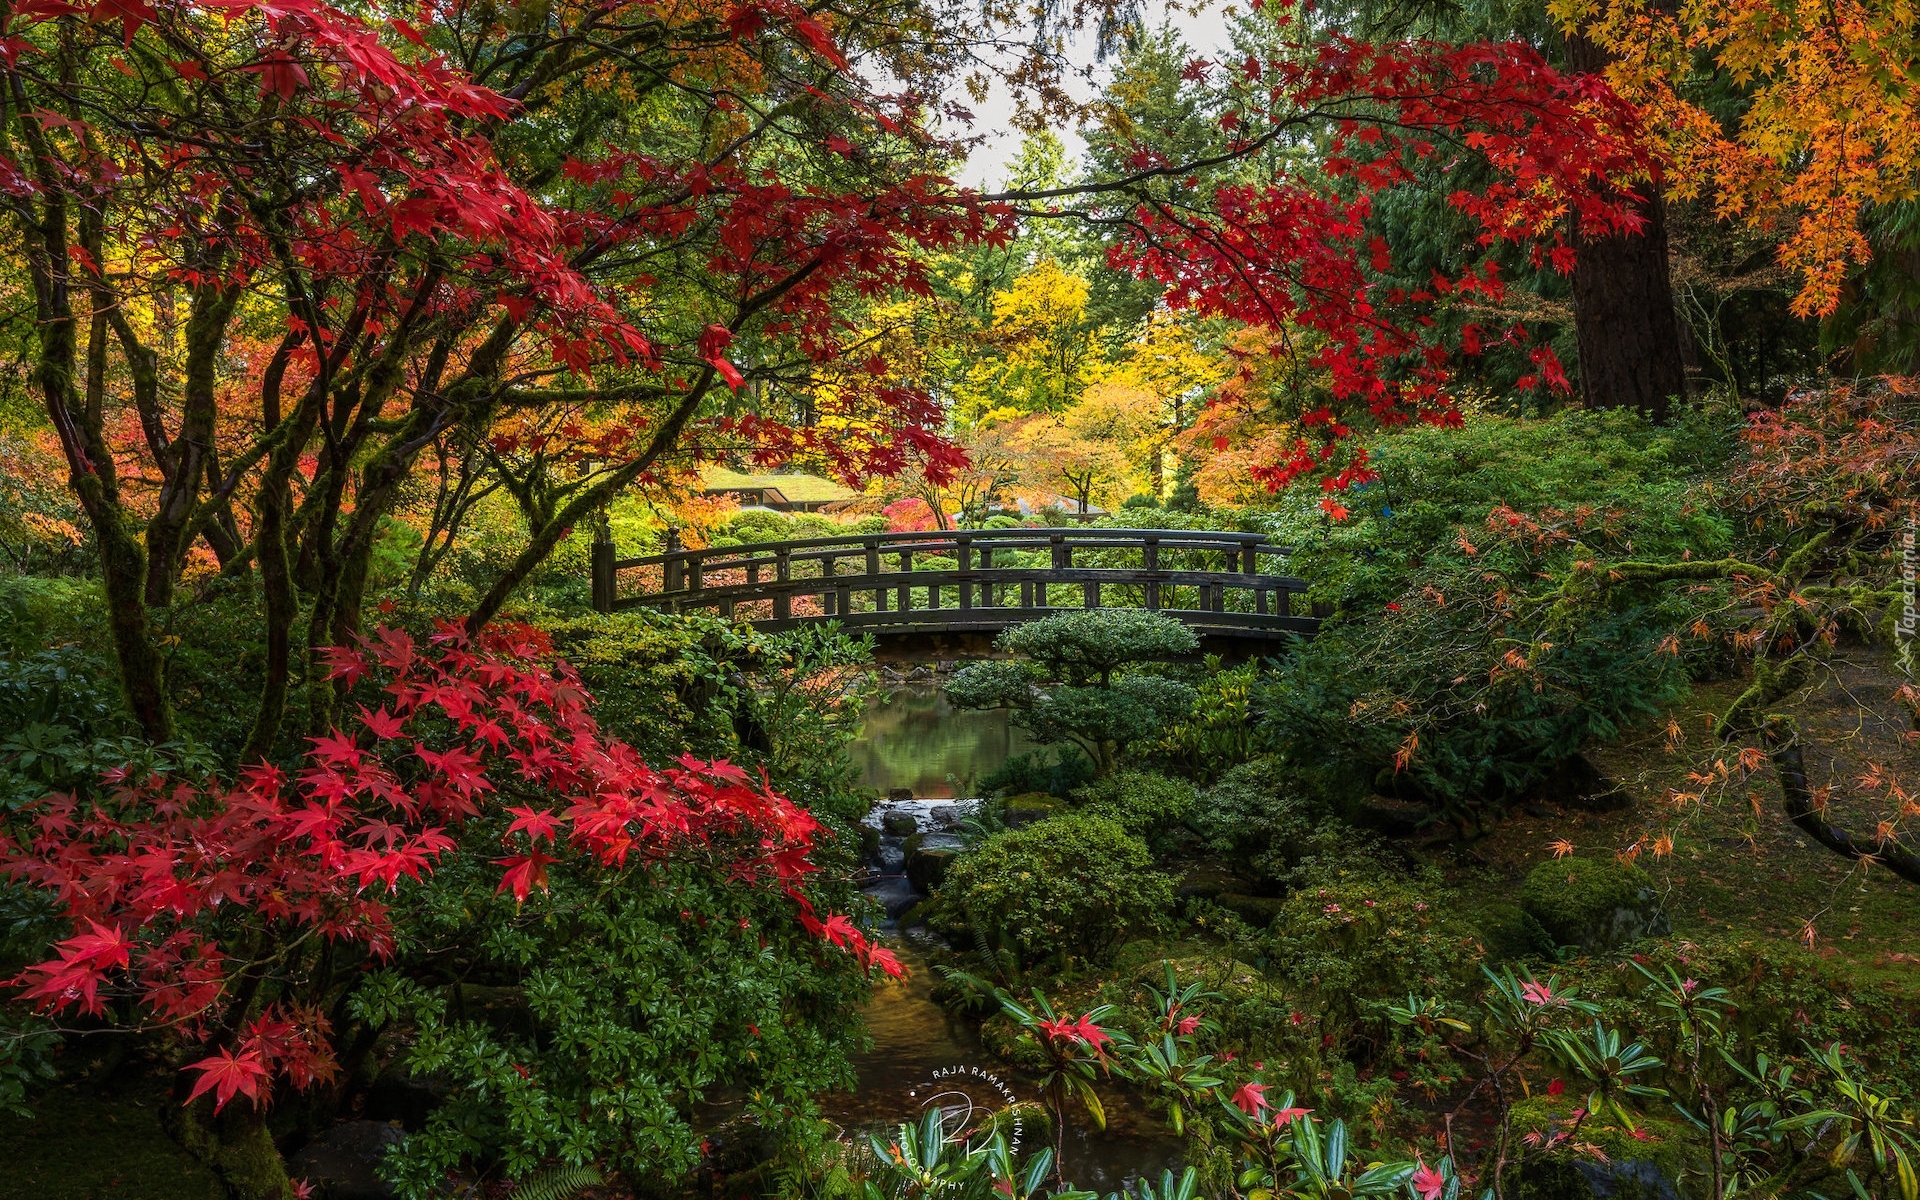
x=938 y=572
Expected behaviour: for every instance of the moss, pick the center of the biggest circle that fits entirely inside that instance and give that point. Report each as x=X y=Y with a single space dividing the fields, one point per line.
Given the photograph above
x=1669 y=1147
x=1254 y=910
x=1510 y=932
x=1005 y=1040
x=1594 y=903
x=1029 y=807
x=237 y=1145
x=1027 y=1123
x=80 y=1147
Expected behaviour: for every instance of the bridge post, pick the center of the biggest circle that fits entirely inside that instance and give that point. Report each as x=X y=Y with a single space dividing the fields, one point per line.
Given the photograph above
x=605 y=578
x=906 y=589
x=670 y=570
x=963 y=555
x=873 y=569
x=827 y=594
x=782 y=572
x=1150 y=561
x=986 y=587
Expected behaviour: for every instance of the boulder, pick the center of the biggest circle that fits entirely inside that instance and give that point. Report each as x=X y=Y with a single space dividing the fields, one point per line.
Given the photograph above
x=895 y=795
x=1391 y=817
x=899 y=824
x=1594 y=903
x=1028 y=808
x=1254 y=910
x=344 y=1163
x=927 y=868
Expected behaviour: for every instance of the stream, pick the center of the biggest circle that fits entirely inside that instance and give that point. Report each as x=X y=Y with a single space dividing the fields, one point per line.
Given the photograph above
x=921 y=1054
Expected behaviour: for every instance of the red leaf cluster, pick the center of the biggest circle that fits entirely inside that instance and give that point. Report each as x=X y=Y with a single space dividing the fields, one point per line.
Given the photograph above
x=154 y=870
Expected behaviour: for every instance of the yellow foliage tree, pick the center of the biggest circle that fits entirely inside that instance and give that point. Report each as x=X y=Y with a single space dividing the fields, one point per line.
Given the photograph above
x=1047 y=353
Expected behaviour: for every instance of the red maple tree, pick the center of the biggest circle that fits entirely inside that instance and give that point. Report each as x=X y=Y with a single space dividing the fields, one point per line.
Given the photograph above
x=186 y=896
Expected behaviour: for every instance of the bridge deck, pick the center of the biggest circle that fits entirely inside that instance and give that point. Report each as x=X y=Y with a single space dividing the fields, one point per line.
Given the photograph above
x=970 y=584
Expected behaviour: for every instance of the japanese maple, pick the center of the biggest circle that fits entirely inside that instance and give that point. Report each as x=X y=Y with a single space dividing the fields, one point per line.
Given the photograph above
x=208 y=907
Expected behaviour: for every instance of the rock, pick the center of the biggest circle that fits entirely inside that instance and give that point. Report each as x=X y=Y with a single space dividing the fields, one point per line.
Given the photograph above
x=896 y=795
x=1393 y=818
x=899 y=824
x=344 y=1163
x=399 y=1097
x=1509 y=932
x=869 y=842
x=1594 y=903
x=1206 y=883
x=1578 y=1179
x=920 y=674
x=1254 y=910
x=927 y=869
x=946 y=816
x=1027 y=808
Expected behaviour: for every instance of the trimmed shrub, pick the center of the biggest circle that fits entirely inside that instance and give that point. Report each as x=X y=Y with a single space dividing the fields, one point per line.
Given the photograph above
x=1146 y=804
x=1069 y=771
x=1073 y=886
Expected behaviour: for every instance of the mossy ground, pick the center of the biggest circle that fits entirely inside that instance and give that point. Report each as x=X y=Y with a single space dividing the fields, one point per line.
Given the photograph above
x=82 y=1145
x=1735 y=871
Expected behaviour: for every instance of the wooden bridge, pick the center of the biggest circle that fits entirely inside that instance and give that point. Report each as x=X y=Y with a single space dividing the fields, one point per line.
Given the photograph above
x=947 y=594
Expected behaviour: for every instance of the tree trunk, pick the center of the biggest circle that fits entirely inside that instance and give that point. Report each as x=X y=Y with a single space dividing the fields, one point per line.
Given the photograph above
x=1623 y=310
x=236 y=1145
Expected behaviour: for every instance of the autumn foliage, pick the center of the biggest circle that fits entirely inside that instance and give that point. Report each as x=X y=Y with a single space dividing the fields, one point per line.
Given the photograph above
x=184 y=894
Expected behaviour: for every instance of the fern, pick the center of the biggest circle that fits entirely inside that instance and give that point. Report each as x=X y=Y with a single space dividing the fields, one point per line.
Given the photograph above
x=559 y=1183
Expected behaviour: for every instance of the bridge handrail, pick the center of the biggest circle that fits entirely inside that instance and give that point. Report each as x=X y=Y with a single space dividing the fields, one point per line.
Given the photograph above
x=1165 y=539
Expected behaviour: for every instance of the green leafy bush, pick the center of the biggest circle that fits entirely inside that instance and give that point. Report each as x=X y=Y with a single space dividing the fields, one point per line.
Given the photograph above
x=1352 y=945
x=1255 y=821
x=1071 y=886
x=608 y=1015
x=1448 y=676
x=1145 y=803
x=1060 y=773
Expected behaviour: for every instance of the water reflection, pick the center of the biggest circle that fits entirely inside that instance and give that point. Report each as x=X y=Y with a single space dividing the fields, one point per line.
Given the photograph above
x=913 y=738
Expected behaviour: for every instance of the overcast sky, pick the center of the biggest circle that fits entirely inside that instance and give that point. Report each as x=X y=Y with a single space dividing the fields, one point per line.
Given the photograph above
x=1205 y=35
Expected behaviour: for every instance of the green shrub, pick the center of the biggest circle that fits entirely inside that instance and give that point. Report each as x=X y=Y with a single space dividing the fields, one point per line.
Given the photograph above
x=1067 y=772
x=1079 y=678
x=37 y=612
x=1255 y=821
x=1448 y=677
x=1593 y=903
x=1146 y=804
x=1072 y=886
x=1355 y=945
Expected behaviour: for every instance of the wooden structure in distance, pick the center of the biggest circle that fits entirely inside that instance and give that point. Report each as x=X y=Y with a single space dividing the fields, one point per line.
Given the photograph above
x=948 y=593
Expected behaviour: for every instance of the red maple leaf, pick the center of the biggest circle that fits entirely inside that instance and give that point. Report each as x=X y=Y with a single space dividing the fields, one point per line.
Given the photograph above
x=227 y=1075
x=523 y=874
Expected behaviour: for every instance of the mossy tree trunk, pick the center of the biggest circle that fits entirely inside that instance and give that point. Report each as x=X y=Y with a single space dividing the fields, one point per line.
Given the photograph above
x=235 y=1144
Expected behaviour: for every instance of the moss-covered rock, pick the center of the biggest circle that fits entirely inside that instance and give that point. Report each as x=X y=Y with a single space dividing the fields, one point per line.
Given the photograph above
x=1593 y=903
x=1254 y=910
x=898 y=824
x=1026 y=1124
x=1029 y=807
x=927 y=868
x=1510 y=932
x=1003 y=1038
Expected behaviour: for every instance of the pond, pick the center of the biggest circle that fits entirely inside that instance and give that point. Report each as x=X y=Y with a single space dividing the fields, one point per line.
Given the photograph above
x=912 y=738
x=921 y=1054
